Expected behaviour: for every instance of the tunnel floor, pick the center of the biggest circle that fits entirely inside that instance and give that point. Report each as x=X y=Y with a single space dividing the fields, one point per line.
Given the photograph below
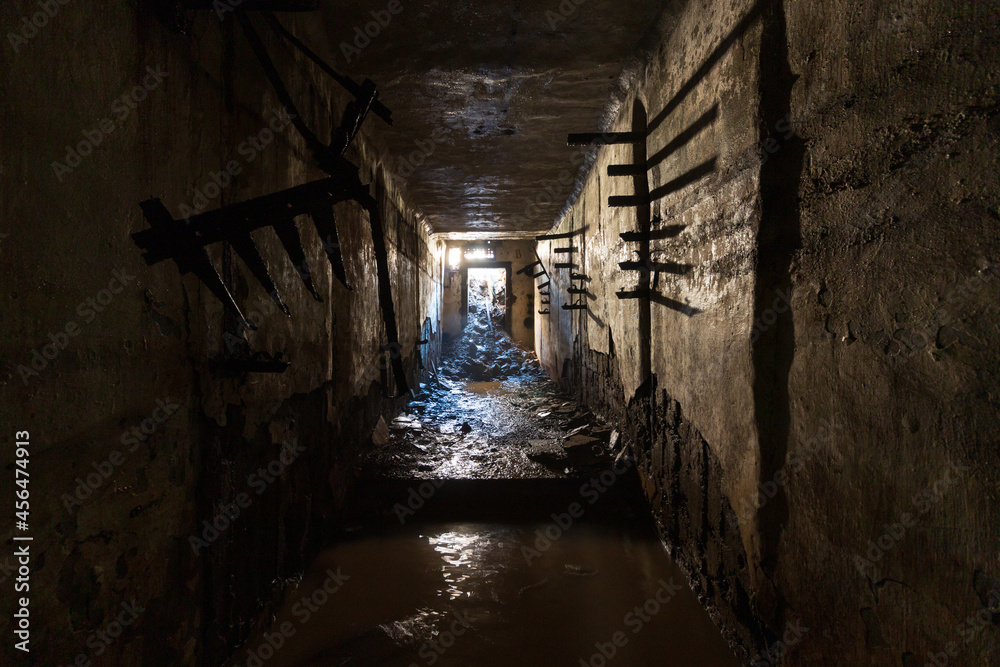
x=481 y=539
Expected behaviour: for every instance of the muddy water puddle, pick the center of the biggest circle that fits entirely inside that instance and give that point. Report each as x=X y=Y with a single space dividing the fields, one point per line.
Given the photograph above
x=496 y=594
x=488 y=388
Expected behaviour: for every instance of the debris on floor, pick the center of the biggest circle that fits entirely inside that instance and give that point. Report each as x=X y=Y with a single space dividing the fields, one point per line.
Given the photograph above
x=492 y=412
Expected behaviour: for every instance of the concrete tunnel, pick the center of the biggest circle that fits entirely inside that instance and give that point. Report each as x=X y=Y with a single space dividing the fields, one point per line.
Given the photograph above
x=563 y=332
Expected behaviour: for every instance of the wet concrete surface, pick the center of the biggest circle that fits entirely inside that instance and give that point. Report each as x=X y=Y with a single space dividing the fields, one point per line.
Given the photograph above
x=478 y=548
x=478 y=430
x=514 y=423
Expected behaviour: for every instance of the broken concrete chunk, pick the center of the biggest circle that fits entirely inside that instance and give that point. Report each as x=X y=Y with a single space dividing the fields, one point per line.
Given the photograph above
x=546 y=452
x=579 y=441
x=380 y=436
x=578 y=421
x=623 y=458
x=602 y=433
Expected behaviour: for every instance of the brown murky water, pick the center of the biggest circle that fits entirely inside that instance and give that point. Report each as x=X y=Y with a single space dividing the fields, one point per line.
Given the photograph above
x=474 y=549
x=495 y=594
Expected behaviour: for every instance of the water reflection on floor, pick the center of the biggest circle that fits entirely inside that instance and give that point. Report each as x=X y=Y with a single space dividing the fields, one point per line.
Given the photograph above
x=466 y=594
x=473 y=430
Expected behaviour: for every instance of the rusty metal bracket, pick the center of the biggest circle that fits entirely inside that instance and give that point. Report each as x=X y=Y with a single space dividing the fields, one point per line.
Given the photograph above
x=185 y=241
x=527 y=269
x=604 y=138
x=660 y=267
x=561 y=236
x=638 y=293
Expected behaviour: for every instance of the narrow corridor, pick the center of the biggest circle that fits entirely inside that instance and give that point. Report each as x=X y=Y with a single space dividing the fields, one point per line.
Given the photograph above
x=583 y=333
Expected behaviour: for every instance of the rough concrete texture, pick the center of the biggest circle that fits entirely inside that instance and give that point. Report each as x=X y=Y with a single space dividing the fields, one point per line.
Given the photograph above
x=485 y=93
x=128 y=539
x=519 y=254
x=818 y=434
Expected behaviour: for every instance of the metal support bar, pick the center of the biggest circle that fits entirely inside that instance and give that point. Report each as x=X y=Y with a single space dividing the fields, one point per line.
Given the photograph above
x=326 y=224
x=626 y=169
x=575 y=306
x=558 y=237
x=179 y=243
x=246 y=248
x=288 y=234
x=329 y=158
x=385 y=289
x=622 y=201
x=564 y=265
x=185 y=242
x=215 y=226
x=565 y=251
x=354 y=117
x=279 y=86
x=656 y=234
x=353 y=88
x=604 y=138
x=579 y=276
x=633 y=294
x=664 y=267
x=525 y=270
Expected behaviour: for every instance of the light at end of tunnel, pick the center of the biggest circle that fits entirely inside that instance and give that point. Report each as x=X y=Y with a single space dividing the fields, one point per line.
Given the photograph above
x=454 y=258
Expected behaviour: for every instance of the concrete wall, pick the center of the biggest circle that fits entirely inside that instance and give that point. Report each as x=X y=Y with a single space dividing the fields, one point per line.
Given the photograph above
x=522 y=288
x=151 y=342
x=826 y=372
x=451 y=306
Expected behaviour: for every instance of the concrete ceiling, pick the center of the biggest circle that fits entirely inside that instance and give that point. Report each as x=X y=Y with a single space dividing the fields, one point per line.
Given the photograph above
x=484 y=93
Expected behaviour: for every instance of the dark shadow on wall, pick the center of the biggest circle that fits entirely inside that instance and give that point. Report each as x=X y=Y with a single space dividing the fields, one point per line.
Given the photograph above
x=713 y=59
x=706 y=120
x=778 y=240
x=643 y=197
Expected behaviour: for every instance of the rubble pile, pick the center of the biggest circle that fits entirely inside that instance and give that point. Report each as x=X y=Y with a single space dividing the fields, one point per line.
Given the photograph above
x=485 y=353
